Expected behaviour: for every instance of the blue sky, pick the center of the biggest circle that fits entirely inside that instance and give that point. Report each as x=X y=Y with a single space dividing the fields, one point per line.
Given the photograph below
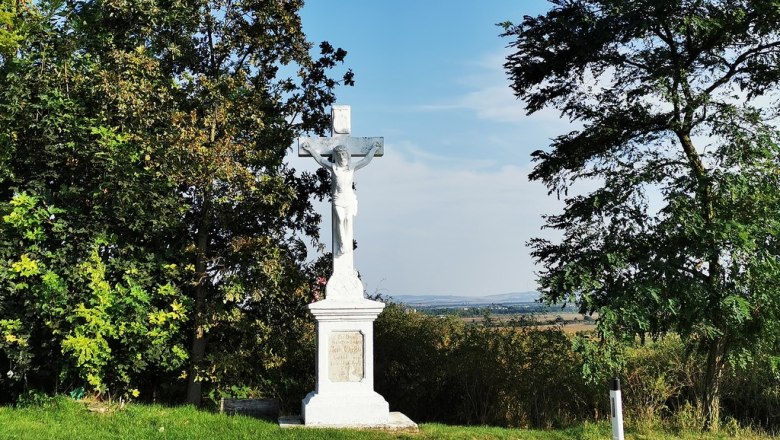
x=449 y=208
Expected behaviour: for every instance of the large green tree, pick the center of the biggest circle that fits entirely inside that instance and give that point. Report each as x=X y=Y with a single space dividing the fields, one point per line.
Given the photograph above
x=85 y=298
x=676 y=99
x=245 y=87
x=156 y=133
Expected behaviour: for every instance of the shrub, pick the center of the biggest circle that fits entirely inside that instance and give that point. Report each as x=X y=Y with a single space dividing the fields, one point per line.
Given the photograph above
x=658 y=379
x=76 y=317
x=440 y=369
x=752 y=395
x=543 y=379
x=412 y=359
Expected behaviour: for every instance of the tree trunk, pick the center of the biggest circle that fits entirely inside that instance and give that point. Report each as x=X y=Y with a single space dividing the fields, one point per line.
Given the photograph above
x=717 y=347
x=712 y=377
x=198 y=350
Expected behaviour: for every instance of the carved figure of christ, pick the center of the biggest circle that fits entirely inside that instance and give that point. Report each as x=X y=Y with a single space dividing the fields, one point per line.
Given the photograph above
x=341 y=147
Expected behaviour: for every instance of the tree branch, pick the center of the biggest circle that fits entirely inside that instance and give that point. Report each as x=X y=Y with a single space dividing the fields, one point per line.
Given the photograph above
x=734 y=67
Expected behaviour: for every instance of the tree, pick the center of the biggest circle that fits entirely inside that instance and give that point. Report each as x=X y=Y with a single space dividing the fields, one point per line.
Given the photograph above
x=85 y=207
x=236 y=111
x=157 y=132
x=679 y=138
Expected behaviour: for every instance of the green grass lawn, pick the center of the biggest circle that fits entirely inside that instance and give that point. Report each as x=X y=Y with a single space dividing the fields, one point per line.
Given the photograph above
x=64 y=418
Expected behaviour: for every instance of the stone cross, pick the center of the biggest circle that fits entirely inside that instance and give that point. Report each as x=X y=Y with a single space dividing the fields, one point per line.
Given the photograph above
x=342 y=147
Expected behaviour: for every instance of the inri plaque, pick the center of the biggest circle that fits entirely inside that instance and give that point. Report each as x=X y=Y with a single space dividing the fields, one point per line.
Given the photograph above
x=346 y=356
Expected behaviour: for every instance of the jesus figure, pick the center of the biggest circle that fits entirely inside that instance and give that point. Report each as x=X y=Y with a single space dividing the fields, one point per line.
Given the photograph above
x=344 y=203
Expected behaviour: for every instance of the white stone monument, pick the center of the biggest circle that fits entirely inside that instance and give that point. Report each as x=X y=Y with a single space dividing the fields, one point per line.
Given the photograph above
x=344 y=394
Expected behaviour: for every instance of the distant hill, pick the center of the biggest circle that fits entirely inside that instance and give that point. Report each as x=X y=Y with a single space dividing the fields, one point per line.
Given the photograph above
x=471 y=301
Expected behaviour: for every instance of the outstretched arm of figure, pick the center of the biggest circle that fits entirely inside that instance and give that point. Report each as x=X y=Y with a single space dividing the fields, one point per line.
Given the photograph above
x=369 y=156
x=320 y=160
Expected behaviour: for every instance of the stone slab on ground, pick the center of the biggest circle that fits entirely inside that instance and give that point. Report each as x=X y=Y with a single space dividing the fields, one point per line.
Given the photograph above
x=262 y=408
x=397 y=422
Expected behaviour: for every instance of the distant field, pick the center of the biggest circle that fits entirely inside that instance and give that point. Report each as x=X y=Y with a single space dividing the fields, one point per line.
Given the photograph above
x=572 y=322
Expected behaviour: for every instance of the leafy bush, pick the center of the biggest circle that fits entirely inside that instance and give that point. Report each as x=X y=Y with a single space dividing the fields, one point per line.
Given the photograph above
x=69 y=319
x=412 y=357
x=659 y=379
x=753 y=395
x=543 y=378
x=440 y=369
x=118 y=331
x=252 y=360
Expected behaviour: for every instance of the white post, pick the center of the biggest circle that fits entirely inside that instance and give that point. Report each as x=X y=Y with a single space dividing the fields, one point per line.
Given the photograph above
x=616 y=410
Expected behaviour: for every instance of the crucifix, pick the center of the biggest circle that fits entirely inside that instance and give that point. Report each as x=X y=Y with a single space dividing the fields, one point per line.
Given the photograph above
x=344 y=393
x=341 y=148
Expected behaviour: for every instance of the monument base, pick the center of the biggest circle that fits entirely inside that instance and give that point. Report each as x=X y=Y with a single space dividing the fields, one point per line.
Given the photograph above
x=397 y=422
x=344 y=395
x=342 y=409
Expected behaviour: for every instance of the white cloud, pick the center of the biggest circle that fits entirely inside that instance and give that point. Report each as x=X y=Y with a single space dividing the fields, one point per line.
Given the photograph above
x=495 y=103
x=487 y=93
x=415 y=154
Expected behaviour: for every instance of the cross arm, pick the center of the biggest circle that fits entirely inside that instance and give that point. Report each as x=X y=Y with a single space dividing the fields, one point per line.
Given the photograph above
x=357 y=146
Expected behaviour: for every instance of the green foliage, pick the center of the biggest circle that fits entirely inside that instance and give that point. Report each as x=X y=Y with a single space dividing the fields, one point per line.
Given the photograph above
x=533 y=374
x=443 y=370
x=33 y=294
x=411 y=360
x=255 y=359
x=659 y=381
x=754 y=393
x=681 y=232
x=440 y=369
x=123 y=328
x=37 y=399
x=107 y=334
x=145 y=199
x=602 y=358
x=10 y=34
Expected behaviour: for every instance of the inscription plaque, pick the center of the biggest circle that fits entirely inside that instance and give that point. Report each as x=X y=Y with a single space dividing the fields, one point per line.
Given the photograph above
x=341 y=118
x=345 y=357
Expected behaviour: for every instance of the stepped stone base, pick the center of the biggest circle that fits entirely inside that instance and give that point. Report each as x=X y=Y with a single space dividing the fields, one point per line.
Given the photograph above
x=364 y=408
x=396 y=422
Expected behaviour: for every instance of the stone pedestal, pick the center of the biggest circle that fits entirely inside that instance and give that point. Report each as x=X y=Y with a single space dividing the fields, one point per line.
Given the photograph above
x=344 y=394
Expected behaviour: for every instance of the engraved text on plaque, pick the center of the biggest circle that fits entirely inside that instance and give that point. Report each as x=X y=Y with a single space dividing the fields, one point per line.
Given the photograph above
x=345 y=356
